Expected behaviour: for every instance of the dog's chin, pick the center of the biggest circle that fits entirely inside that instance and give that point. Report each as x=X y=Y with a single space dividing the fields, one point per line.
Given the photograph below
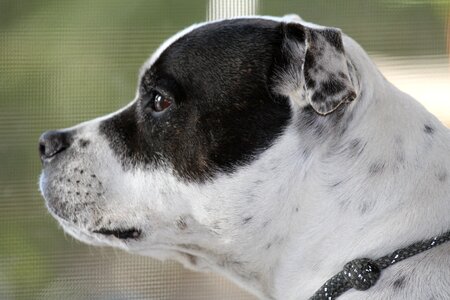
x=131 y=240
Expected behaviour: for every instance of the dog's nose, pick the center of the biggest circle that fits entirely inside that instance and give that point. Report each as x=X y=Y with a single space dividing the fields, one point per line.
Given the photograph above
x=53 y=142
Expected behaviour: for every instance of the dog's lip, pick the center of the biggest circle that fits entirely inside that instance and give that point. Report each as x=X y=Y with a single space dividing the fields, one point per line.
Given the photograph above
x=120 y=233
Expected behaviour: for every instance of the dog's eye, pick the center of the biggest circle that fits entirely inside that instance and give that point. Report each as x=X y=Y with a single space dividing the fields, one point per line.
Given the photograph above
x=160 y=102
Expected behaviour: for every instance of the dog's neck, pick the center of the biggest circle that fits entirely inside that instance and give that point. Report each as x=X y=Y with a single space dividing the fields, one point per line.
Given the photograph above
x=367 y=201
x=341 y=199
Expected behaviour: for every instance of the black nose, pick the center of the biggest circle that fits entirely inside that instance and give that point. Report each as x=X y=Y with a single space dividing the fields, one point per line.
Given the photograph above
x=53 y=142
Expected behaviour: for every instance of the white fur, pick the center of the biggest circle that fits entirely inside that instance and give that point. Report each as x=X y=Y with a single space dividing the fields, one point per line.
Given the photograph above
x=301 y=230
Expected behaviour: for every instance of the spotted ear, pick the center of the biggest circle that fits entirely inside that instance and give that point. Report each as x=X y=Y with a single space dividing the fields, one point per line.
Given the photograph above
x=311 y=68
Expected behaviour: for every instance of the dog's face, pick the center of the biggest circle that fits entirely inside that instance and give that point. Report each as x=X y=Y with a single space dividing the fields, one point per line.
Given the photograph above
x=197 y=164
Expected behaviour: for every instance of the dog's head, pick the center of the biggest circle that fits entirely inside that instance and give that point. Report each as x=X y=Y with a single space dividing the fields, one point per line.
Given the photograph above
x=203 y=160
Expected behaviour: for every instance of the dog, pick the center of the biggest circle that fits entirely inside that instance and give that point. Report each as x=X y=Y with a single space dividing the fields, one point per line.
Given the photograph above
x=269 y=150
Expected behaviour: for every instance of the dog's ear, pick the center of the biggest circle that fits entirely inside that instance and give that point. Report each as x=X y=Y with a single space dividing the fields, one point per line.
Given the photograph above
x=311 y=68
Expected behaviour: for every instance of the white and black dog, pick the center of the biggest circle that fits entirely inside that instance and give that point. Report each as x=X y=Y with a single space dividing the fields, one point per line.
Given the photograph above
x=269 y=150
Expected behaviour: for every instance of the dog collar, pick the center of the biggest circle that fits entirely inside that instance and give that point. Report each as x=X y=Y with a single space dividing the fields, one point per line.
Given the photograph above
x=363 y=273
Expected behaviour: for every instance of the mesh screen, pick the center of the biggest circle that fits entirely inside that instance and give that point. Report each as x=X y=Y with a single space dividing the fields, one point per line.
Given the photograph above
x=62 y=62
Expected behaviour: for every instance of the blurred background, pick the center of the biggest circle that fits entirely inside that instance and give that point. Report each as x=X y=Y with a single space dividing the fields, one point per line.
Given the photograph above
x=62 y=62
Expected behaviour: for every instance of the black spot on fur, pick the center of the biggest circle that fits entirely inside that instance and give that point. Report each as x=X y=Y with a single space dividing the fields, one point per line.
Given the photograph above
x=318 y=97
x=310 y=62
x=332 y=86
x=342 y=75
x=258 y=181
x=356 y=147
x=344 y=202
x=366 y=206
x=181 y=224
x=246 y=220
x=309 y=66
x=442 y=175
x=294 y=31
x=310 y=83
x=84 y=143
x=376 y=168
x=334 y=38
x=428 y=129
x=399 y=283
x=336 y=184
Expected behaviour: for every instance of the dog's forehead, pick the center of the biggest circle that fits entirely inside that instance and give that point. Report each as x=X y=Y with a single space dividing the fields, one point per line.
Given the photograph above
x=231 y=34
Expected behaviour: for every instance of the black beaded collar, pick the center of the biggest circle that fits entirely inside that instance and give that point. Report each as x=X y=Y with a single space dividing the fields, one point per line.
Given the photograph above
x=363 y=273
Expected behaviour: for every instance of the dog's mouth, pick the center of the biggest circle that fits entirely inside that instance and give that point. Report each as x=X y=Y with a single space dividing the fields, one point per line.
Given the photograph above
x=123 y=234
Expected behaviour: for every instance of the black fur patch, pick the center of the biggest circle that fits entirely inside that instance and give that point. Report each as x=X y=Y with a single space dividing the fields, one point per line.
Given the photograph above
x=355 y=147
x=181 y=223
x=442 y=175
x=224 y=113
x=84 y=143
x=399 y=283
x=310 y=67
x=246 y=220
x=332 y=86
x=334 y=38
x=376 y=168
x=428 y=129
